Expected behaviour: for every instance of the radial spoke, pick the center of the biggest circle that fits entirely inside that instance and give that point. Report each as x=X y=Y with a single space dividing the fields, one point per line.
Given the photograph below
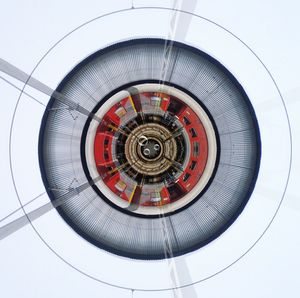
x=20 y=75
x=20 y=222
x=15 y=86
x=18 y=209
x=175 y=134
x=136 y=102
x=135 y=199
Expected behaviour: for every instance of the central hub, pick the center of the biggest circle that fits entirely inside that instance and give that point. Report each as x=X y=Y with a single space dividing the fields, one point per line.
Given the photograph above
x=151 y=149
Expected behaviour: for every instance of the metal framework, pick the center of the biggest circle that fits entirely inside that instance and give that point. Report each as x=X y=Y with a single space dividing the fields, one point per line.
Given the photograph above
x=119 y=230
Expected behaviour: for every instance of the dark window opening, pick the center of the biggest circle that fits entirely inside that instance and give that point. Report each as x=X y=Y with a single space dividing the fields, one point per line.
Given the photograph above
x=193 y=165
x=193 y=132
x=186 y=177
x=175 y=106
x=196 y=149
x=186 y=120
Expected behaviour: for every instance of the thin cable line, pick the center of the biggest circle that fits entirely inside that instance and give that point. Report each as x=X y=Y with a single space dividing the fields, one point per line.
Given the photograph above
x=22 y=206
x=15 y=86
x=22 y=76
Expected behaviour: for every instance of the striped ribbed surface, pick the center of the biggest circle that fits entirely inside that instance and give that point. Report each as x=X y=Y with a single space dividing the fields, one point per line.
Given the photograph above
x=210 y=215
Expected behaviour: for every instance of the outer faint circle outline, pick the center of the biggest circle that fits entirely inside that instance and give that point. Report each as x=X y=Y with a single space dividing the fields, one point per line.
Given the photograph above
x=146 y=8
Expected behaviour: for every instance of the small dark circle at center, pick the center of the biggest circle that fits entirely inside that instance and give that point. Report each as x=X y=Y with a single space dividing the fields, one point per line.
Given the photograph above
x=151 y=149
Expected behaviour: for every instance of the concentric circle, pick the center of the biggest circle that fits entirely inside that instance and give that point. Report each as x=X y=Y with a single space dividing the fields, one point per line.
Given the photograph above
x=194 y=125
x=121 y=149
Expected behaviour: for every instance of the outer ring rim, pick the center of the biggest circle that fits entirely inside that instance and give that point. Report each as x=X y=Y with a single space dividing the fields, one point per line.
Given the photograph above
x=224 y=227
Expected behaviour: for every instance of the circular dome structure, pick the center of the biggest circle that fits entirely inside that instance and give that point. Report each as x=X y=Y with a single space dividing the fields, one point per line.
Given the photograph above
x=185 y=149
x=146 y=149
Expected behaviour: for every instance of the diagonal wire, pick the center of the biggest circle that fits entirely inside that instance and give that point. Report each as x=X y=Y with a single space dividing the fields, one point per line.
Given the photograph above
x=18 y=209
x=22 y=221
x=20 y=75
x=20 y=89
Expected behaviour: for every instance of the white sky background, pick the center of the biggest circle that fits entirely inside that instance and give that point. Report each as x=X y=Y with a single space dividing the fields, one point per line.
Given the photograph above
x=271 y=28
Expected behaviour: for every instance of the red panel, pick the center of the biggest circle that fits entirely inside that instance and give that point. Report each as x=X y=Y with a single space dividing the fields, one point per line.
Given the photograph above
x=193 y=126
